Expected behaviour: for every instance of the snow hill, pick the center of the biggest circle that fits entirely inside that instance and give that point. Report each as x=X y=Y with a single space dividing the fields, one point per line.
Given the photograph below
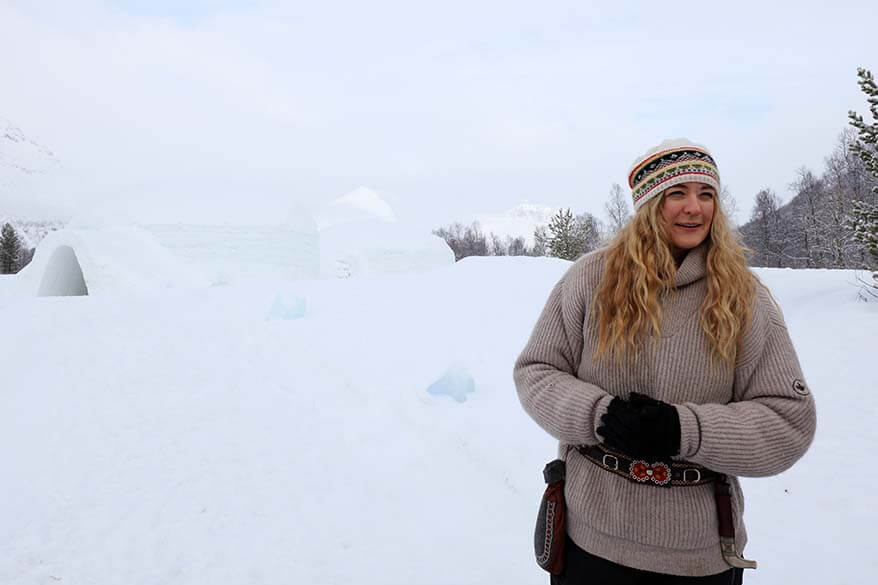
x=358 y=431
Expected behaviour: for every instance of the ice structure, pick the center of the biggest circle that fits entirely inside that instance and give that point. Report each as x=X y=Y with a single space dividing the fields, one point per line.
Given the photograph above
x=102 y=261
x=360 y=237
x=286 y=309
x=456 y=382
x=107 y=251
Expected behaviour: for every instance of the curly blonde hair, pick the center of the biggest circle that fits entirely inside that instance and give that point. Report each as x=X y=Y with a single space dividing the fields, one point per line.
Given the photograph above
x=639 y=267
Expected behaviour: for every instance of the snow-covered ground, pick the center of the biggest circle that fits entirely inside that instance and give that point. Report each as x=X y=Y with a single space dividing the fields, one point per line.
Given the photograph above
x=357 y=431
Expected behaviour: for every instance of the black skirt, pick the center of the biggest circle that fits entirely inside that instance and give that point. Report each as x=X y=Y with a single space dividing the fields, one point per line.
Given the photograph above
x=583 y=568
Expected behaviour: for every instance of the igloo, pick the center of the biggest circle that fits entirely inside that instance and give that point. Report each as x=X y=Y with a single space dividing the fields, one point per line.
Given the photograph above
x=103 y=253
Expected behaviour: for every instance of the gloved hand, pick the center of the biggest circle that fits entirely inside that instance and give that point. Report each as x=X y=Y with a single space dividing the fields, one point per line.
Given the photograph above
x=641 y=427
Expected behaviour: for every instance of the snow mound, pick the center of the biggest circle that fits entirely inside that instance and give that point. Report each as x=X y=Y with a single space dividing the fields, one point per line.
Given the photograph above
x=370 y=248
x=361 y=204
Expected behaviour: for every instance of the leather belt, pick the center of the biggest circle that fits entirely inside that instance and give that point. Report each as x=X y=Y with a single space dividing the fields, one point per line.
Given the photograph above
x=655 y=473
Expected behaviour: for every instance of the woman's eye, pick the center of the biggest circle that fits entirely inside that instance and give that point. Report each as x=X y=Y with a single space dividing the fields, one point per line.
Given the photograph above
x=707 y=194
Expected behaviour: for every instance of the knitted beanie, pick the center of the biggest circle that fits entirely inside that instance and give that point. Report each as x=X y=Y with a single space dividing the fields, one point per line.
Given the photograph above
x=670 y=163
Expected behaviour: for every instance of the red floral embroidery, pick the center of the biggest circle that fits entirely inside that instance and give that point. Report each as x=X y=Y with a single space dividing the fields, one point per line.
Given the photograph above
x=658 y=473
x=639 y=470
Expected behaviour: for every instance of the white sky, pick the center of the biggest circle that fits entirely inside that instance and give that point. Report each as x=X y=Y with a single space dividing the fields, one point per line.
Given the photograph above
x=448 y=109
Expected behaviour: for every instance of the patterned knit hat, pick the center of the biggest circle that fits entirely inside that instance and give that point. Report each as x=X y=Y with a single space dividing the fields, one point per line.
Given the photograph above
x=670 y=163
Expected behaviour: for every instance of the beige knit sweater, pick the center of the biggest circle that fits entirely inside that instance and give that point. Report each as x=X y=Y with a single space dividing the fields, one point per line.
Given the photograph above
x=755 y=420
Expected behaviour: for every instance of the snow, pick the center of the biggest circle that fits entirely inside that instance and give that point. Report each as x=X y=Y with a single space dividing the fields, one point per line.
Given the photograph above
x=284 y=432
x=358 y=238
x=360 y=204
x=103 y=261
x=226 y=254
x=371 y=248
x=521 y=220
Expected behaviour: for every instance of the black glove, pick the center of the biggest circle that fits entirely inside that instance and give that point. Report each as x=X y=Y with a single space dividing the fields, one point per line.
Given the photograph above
x=641 y=427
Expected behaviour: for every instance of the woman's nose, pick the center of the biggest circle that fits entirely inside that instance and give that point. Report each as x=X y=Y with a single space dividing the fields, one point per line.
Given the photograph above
x=691 y=204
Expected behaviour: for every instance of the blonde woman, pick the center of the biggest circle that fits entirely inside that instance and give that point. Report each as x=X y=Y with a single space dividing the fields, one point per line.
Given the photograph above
x=664 y=369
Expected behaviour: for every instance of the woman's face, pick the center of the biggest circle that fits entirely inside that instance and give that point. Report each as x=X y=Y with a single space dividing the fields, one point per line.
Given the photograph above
x=687 y=210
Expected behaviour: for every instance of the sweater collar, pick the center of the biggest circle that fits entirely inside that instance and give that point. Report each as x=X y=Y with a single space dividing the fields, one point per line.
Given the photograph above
x=694 y=266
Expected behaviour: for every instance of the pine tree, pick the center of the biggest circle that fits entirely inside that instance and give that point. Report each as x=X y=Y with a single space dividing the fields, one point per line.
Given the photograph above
x=10 y=250
x=541 y=241
x=864 y=222
x=864 y=219
x=563 y=236
x=587 y=236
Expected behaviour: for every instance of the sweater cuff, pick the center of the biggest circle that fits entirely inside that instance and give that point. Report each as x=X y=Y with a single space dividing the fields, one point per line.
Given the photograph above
x=690 y=432
x=600 y=409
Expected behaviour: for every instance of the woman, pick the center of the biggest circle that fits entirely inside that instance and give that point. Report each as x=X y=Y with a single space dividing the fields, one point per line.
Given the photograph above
x=663 y=366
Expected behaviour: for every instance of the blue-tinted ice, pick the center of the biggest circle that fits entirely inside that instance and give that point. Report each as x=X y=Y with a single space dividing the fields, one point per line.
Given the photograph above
x=456 y=382
x=286 y=308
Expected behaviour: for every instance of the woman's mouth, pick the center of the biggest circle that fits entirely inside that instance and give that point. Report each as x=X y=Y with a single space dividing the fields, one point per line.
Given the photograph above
x=688 y=226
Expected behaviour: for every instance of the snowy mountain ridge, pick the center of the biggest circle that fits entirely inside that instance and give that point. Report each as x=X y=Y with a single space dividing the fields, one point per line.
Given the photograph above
x=20 y=154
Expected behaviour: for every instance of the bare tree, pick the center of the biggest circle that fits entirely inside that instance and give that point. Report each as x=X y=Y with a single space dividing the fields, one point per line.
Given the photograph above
x=498 y=248
x=844 y=184
x=764 y=234
x=729 y=205
x=807 y=208
x=517 y=246
x=464 y=240
x=617 y=209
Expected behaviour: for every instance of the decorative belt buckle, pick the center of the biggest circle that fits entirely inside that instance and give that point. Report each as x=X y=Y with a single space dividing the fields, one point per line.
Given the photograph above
x=697 y=475
x=615 y=466
x=658 y=473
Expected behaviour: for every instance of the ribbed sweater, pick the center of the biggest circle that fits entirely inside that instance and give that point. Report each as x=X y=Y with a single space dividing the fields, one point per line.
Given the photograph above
x=753 y=420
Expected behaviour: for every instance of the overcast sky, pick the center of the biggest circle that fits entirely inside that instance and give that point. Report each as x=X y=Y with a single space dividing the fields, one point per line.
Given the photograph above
x=448 y=109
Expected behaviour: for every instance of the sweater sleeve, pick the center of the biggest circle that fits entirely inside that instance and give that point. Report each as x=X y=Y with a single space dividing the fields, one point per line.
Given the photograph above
x=772 y=419
x=545 y=373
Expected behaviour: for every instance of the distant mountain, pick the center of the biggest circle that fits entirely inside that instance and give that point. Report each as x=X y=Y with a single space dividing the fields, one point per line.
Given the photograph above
x=28 y=173
x=521 y=220
x=21 y=156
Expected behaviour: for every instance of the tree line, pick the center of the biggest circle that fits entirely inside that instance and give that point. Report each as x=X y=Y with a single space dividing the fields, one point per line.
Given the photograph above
x=830 y=222
x=566 y=236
